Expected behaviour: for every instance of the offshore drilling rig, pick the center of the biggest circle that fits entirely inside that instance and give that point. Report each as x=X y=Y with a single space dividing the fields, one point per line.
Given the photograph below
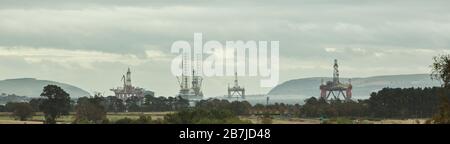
x=236 y=91
x=128 y=90
x=194 y=91
x=335 y=87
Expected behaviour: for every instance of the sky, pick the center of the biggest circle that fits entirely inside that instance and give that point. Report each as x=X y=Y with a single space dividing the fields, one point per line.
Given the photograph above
x=91 y=43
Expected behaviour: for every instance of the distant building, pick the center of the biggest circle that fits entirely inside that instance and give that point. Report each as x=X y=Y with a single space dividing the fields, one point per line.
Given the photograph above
x=128 y=90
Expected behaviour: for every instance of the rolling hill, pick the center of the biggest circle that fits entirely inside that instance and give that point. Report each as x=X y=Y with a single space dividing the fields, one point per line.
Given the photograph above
x=362 y=87
x=31 y=87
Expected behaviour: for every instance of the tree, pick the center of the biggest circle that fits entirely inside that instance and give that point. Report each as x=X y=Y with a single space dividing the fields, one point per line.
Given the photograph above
x=114 y=104
x=90 y=110
x=9 y=107
x=443 y=116
x=181 y=103
x=161 y=103
x=2 y=108
x=55 y=104
x=240 y=108
x=441 y=71
x=21 y=111
x=314 y=107
x=133 y=104
x=36 y=103
x=398 y=103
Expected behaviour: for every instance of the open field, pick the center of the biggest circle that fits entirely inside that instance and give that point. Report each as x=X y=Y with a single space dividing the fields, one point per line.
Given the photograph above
x=5 y=121
x=5 y=118
x=278 y=120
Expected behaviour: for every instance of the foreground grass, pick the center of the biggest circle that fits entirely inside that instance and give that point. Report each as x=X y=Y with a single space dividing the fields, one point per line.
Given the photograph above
x=5 y=117
x=338 y=120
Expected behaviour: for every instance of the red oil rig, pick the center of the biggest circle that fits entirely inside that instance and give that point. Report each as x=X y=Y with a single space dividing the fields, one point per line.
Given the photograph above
x=335 y=87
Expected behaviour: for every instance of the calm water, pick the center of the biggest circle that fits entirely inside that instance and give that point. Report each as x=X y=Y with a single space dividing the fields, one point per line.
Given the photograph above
x=262 y=99
x=286 y=99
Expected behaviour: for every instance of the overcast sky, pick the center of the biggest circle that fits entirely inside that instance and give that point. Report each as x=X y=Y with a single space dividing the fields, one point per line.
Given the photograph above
x=90 y=43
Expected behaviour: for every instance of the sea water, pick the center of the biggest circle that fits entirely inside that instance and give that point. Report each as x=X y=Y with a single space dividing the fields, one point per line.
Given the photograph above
x=262 y=99
x=286 y=99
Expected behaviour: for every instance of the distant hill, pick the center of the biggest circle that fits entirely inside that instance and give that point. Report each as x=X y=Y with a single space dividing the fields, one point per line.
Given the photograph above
x=362 y=87
x=33 y=88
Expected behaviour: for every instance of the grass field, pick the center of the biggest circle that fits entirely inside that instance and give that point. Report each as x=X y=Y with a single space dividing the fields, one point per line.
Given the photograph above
x=5 y=118
x=279 y=120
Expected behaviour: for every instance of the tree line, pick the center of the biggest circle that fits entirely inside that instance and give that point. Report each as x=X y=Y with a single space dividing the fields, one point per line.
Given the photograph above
x=211 y=111
x=386 y=103
x=55 y=102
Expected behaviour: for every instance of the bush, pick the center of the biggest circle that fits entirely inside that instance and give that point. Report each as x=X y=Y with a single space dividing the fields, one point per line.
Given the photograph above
x=144 y=120
x=266 y=120
x=204 y=116
x=124 y=121
x=90 y=110
x=21 y=111
x=2 y=108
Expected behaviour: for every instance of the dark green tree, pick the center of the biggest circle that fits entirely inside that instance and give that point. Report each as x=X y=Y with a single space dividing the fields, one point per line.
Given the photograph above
x=441 y=71
x=36 y=103
x=240 y=108
x=152 y=103
x=22 y=111
x=402 y=103
x=133 y=104
x=114 y=104
x=90 y=110
x=443 y=116
x=55 y=104
x=2 y=108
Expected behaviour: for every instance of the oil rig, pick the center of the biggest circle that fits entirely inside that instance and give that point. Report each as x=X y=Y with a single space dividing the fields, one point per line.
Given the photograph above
x=128 y=90
x=335 y=87
x=236 y=91
x=194 y=91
